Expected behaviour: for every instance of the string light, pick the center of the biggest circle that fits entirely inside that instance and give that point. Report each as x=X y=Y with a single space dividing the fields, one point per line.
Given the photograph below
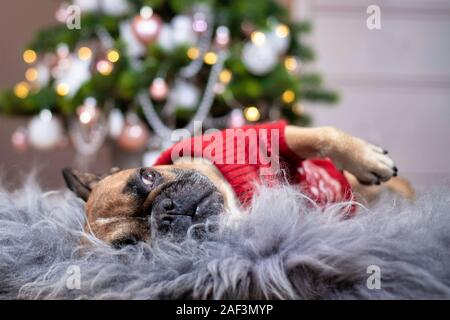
x=146 y=12
x=104 y=67
x=84 y=53
x=252 y=114
x=21 y=90
x=282 y=31
x=29 y=56
x=31 y=74
x=62 y=89
x=113 y=56
x=291 y=63
x=258 y=38
x=225 y=76
x=210 y=58
x=193 y=53
x=288 y=96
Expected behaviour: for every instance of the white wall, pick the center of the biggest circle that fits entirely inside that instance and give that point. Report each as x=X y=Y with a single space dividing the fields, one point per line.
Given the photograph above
x=394 y=82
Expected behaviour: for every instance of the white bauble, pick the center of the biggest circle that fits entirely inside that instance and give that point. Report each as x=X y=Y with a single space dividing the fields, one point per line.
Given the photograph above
x=166 y=37
x=259 y=59
x=182 y=30
x=88 y=5
x=43 y=75
x=185 y=95
x=74 y=74
x=116 y=122
x=133 y=46
x=115 y=8
x=279 y=44
x=44 y=131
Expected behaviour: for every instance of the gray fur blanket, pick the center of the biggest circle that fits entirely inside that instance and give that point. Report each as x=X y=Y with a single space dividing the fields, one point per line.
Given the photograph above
x=283 y=249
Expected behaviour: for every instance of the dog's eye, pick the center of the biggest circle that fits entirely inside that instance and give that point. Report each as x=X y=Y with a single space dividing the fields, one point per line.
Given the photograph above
x=148 y=178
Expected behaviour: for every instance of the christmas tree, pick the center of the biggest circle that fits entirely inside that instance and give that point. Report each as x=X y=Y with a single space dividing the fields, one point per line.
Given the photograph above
x=129 y=69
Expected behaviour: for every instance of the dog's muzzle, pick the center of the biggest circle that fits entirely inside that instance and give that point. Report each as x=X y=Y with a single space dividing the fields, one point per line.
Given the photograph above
x=188 y=201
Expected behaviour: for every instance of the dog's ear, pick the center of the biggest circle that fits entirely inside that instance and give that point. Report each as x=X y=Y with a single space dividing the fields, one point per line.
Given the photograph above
x=80 y=183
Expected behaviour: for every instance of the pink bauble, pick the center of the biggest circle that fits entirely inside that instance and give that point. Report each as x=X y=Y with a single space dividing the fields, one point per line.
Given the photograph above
x=159 y=89
x=19 y=139
x=147 y=29
x=134 y=137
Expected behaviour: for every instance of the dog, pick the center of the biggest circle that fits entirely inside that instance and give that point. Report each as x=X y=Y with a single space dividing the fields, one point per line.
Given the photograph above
x=141 y=204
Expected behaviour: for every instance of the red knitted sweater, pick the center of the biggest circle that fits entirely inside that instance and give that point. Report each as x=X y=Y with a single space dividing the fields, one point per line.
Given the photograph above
x=259 y=154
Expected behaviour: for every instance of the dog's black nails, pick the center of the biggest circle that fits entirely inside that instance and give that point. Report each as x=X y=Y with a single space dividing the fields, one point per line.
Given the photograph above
x=395 y=169
x=385 y=152
x=395 y=174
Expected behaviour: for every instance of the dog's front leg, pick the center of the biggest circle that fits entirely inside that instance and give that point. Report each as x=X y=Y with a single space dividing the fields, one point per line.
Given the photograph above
x=368 y=163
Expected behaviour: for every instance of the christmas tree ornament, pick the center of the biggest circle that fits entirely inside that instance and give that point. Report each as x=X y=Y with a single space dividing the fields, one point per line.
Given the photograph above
x=70 y=75
x=88 y=6
x=19 y=139
x=88 y=113
x=159 y=89
x=183 y=34
x=200 y=24
x=134 y=48
x=62 y=13
x=135 y=135
x=44 y=131
x=279 y=38
x=166 y=38
x=259 y=59
x=115 y=8
x=185 y=95
x=104 y=67
x=116 y=123
x=279 y=43
x=39 y=75
x=236 y=119
x=222 y=36
x=252 y=114
x=62 y=51
x=147 y=25
x=247 y=28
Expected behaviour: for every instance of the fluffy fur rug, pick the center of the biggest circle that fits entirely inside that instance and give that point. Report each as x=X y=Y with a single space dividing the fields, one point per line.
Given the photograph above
x=282 y=249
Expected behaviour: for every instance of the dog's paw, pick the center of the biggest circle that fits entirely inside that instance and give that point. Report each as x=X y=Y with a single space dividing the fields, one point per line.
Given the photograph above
x=368 y=163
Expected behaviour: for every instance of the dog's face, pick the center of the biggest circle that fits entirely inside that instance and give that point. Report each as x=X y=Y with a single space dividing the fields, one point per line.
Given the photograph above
x=140 y=204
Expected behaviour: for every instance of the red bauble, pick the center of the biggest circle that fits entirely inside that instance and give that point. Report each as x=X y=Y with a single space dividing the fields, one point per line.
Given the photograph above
x=134 y=137
x=147 y=29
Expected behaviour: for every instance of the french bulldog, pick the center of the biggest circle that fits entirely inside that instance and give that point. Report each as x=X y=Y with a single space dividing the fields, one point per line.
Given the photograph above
x=141 y=204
